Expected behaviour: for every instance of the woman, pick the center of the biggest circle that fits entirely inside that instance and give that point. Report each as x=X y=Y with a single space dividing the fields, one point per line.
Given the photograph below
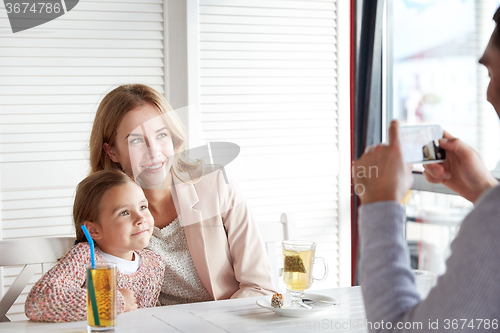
x=203 y=228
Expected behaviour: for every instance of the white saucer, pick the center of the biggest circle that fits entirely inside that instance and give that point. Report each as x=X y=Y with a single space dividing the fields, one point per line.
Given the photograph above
x=296 y=310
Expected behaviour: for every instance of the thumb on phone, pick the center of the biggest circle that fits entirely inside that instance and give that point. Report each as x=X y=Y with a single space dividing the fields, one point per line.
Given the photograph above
x=452 y=144
x=394 y=140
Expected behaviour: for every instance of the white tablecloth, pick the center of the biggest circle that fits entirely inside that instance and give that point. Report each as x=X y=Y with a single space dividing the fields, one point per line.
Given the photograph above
x=229 y=316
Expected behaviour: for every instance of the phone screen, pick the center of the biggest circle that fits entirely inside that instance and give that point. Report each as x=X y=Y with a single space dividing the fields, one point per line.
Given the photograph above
x=420 y=144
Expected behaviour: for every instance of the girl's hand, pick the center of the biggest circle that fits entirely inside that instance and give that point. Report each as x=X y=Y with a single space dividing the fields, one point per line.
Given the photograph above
x=463 y=171
x=130 y=301
x=381 y=173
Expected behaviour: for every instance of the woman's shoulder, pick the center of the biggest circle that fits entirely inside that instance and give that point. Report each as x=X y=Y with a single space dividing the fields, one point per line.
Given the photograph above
x=216 y=188
x=206 y=178
x=203 y=173
x=217 y=177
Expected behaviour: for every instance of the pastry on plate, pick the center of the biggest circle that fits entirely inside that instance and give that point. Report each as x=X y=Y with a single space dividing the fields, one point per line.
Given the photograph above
x=277 y=301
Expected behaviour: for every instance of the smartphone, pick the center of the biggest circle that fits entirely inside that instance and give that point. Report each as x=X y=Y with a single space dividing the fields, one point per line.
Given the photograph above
x=420 y=144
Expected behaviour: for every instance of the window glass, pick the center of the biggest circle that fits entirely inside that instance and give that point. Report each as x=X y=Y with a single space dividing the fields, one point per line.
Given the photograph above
x=436 y=78
x=433 y=76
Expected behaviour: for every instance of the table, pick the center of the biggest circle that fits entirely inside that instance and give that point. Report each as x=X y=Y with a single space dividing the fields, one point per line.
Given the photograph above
x=241 y=315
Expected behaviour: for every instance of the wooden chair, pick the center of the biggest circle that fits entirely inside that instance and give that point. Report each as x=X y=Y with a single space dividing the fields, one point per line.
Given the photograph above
x=30 y=253
x=273 y=233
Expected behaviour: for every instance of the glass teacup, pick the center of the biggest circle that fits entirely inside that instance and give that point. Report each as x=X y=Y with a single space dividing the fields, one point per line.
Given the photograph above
x=298 y=260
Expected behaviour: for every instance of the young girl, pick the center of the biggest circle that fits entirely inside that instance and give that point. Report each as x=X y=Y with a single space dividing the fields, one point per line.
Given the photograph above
x=115 y=211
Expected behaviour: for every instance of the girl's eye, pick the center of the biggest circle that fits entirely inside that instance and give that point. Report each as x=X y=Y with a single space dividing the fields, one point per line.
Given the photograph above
x=162 y=135
x=124 y=213
x=143 y=207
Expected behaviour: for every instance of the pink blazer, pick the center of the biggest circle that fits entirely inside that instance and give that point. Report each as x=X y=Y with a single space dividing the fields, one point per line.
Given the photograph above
x=223 y=238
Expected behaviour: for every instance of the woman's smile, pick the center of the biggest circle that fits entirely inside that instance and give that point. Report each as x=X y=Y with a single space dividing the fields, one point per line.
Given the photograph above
x=154 y=167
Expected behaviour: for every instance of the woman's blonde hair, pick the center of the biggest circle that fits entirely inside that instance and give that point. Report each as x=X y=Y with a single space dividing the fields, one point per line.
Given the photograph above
x=89 y=193
x=114 y=106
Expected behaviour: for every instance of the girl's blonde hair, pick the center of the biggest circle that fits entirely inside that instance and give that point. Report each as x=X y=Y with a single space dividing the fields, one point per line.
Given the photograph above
x=89 y=193
x=114 y=106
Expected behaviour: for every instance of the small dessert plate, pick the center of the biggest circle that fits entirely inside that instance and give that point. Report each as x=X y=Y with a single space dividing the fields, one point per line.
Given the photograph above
x=320 y=303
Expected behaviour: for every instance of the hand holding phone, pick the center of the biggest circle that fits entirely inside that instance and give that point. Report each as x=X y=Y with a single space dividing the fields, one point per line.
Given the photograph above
x=420 y=144
x=463 y=171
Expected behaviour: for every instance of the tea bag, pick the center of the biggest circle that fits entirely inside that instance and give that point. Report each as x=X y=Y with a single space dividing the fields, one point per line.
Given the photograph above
x=294 y=264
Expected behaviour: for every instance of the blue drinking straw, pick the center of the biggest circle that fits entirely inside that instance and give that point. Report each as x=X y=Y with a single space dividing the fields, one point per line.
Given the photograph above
x=91 y=243
x=90 y=283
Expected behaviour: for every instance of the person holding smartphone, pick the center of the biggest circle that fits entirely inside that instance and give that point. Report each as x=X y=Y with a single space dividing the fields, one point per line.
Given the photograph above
x=469 y=291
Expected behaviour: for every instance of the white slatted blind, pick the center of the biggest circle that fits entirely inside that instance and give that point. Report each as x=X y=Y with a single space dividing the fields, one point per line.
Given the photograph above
x=268 y=82
x=52 y=78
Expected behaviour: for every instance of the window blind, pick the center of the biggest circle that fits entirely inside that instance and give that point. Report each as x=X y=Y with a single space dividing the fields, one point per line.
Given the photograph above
x=268 y=81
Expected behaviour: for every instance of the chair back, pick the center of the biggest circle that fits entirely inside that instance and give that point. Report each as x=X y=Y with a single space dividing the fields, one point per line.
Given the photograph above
x=273 y=233
x=30 y=253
